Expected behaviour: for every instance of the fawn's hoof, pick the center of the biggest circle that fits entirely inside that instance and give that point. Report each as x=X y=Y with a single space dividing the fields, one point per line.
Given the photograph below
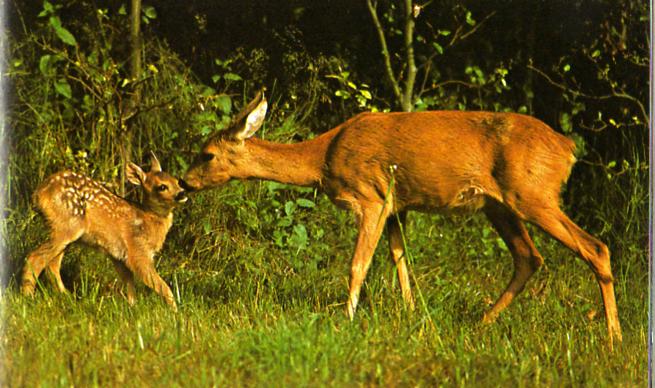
x=27 y=289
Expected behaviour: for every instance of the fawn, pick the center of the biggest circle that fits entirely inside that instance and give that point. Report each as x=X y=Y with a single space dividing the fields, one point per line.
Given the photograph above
x=79 y=208
x=380 y=165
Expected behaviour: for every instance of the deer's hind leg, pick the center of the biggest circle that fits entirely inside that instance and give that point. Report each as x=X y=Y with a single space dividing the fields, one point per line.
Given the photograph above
x=48 y=254
x=526 y=257
x=595 y=253
x=395 y=223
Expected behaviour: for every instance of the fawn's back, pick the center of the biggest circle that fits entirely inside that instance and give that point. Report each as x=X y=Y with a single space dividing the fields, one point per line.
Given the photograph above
x=75 y=204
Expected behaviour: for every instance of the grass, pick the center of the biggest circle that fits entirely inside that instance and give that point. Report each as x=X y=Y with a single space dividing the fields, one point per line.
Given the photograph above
x=250 y=317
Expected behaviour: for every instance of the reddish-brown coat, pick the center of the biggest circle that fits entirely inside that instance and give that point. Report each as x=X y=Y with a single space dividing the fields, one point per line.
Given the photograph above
x=380 y=165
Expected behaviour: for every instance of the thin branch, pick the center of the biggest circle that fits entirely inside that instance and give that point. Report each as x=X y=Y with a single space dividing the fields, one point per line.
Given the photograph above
x=385 y=50
x=566 y=88
x=615 y=93
x=407 y=101
x=131 y=114
x=426 y=74
x=458 y=38
x=477 y=27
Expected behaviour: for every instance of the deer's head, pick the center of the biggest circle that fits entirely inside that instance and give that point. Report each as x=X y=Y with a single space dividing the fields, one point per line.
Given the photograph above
x=224 y=155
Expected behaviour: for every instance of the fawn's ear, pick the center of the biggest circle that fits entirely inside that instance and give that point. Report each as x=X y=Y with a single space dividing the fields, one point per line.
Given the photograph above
x=135 y=174
x=154 y=163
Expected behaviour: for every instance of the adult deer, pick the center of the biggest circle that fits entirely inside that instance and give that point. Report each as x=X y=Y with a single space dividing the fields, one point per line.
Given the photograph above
x=78 y=208
x=380 y=165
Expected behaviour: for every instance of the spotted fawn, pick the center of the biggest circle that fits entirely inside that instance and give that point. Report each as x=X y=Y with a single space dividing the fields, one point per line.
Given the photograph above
x=79 y=208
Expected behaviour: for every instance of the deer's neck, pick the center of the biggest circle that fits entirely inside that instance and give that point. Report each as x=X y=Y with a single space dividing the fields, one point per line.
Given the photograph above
x=297 y=164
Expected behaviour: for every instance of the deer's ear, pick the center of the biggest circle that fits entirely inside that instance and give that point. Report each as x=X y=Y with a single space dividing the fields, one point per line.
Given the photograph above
x=154 y=163
x=134 y=174
x=250 y=119
x=253 y=122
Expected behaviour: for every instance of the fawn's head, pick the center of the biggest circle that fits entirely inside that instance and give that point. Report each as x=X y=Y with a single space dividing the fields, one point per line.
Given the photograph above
x=222 y=157
x=162 y=191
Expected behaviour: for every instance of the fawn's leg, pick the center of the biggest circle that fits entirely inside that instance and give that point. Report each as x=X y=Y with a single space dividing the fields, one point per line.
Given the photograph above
x=144 y=269
x=54 y=268
x=127 y=278
x=42 y=256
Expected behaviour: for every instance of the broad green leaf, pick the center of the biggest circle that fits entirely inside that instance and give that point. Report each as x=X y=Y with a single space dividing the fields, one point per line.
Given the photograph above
x=62 y=87
x=289 y=208
x=469 y=19
x=232 y=77
x=565 y=123
x=437 y=47
x=61 y=32
x=47 y=9
x=150 y=12
x=224 y=103
x=299 y=237
x=303 y=202
x=366 y=94
x=44 y=64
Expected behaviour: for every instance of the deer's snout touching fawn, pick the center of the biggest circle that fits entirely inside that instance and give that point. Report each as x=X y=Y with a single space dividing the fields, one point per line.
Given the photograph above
x=381 y=165
x=79 y=208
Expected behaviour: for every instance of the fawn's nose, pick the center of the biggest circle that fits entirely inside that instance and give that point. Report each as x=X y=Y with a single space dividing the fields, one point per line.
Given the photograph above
x=181 y=197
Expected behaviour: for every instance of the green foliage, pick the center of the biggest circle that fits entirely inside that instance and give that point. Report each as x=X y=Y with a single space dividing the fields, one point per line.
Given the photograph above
x=261 y=269
x=348 y=89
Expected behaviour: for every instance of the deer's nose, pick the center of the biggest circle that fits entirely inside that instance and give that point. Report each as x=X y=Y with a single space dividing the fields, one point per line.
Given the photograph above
x=183 y=184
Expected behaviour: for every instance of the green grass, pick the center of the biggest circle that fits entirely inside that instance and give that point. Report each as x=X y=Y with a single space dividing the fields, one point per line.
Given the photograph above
x=253 y=316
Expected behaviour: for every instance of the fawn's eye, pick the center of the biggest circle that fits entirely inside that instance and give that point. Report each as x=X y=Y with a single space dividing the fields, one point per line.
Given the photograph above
x=162 y=188
x=206 y=157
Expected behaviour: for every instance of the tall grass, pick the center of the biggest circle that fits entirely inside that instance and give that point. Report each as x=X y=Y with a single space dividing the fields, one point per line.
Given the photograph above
x=243 y=325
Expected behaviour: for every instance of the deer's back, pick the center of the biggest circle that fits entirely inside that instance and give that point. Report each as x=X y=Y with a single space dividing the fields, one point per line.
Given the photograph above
x=437 y=159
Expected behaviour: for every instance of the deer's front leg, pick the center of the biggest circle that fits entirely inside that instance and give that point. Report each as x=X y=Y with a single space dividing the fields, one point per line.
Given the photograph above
x=372 y=218
x=144 y=269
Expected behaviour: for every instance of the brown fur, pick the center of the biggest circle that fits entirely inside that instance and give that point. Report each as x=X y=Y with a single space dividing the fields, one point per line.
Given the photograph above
x=79 y=208
x=380 y=165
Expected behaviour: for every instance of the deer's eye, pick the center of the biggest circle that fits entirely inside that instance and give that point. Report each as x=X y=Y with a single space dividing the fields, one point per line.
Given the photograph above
x=206 y=157
x=162 y=188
